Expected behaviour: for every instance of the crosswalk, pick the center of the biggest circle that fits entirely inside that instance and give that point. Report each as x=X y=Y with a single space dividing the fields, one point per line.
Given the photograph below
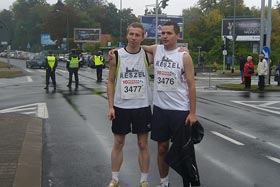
x=268 y=106
x=35 y=109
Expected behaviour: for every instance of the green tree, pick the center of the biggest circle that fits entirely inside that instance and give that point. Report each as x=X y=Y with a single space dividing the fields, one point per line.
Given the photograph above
x=28 y=15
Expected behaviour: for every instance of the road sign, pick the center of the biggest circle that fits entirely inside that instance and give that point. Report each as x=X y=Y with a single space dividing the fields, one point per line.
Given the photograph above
x=4 y=43
x=224 y=52
x=266 y=52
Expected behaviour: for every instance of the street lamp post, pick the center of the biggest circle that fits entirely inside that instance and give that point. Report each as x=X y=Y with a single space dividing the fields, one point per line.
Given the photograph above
x=198 y=59
x=233 y=37
x=67 y=27
x=156 y=27
x=67 y=31
x=120 y=22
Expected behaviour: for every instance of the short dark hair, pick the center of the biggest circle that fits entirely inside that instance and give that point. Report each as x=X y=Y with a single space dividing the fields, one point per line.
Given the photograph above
x=136 y=25
x=174 y=24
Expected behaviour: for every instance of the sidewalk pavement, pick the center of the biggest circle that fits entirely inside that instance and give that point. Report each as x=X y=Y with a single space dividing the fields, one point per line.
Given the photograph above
x=20 y=150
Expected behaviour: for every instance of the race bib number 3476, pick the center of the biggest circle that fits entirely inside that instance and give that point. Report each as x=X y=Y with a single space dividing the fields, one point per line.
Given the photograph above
x=132 y=89
x=166 y=81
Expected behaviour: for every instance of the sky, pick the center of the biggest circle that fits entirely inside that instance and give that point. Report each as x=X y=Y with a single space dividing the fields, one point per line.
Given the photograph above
x=174 y=7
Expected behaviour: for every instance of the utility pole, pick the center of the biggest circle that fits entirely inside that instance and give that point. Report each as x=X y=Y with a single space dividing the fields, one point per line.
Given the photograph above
x=262 y=43
x=156 y=33
x=268 y=38
x=120 y=21
x=233 y=37
x=164 y=4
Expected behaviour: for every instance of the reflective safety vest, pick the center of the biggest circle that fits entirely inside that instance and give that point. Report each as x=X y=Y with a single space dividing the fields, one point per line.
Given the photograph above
x=98 y=60
x=51 y=61
x=74 y=62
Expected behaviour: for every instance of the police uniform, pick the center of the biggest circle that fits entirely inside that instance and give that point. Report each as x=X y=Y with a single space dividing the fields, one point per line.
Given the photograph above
x=50 y=71
x=73 y=66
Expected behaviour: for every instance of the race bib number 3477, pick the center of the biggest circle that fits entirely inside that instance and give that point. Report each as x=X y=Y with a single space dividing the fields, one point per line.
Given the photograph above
x=132 y=89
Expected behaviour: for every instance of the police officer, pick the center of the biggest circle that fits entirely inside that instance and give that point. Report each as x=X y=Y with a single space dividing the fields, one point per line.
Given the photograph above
x=98 y=60
x=50 y=70
x=73 y=65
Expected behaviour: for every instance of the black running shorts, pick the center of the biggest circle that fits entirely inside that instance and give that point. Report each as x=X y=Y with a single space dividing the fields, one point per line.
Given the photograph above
x=165 y=123
x=132 y=120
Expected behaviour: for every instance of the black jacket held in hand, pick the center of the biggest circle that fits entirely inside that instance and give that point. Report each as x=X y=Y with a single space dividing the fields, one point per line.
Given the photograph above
x=181 y=155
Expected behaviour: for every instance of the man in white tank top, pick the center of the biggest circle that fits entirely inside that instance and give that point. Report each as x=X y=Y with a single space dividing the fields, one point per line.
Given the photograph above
x=174 y=95
x=129 y=102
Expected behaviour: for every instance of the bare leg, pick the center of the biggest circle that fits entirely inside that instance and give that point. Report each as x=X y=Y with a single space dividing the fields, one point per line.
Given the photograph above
x=144 y=153
x=117 y=152
x=162 y=165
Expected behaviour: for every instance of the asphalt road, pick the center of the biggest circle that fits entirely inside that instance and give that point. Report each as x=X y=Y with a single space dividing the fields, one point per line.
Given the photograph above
x=241 y=146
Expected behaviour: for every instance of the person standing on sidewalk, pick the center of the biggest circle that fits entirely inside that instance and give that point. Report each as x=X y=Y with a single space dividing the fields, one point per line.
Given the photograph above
x=262 y=71
x=73 y=65
x=174 y=95
x=50 y=70
x=98 y=60
x=248 y=72
x=241 y=68
x=129 y=102
x=277 y=74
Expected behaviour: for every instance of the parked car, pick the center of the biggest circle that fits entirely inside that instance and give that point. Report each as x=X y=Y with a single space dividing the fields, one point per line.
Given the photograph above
x=38 y=61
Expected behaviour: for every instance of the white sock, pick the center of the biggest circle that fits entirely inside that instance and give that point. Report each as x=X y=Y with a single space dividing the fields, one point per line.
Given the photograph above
x=115 y=175
x=164 y=180
x=144 y=177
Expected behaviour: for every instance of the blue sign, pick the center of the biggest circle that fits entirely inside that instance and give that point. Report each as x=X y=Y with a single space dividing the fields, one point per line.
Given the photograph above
x=266 y=52
x=121 y=45
x=46 y=40
x=149 y=24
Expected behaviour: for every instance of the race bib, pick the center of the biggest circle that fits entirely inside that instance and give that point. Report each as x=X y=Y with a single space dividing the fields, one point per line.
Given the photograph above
x=132 y=88
x=166 y=81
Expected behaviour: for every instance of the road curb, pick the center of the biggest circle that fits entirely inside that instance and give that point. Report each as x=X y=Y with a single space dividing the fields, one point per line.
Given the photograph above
x=28 y=151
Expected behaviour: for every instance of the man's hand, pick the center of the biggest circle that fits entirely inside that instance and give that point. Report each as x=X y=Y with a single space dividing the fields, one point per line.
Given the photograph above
x=111 y=53
x=111 y=114
x=183 y=49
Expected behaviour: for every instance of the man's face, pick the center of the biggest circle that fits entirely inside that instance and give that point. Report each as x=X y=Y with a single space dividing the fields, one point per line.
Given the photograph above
x=168 y=35
x=135 y=36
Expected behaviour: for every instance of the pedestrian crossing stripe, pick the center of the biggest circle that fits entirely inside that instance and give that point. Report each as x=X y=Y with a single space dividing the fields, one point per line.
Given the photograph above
x=268 y=106
x=38 y=109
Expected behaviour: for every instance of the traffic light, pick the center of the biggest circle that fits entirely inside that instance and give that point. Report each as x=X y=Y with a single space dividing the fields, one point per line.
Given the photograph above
x=227 y=43
x=164 y=3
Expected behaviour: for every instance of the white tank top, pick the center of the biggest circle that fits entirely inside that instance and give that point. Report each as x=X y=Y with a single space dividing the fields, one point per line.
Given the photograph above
x=132 y=89
x=170 y=86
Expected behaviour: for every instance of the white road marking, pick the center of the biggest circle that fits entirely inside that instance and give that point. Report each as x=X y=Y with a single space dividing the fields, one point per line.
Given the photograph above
x=246 y=134
x=19 y=109
x=273 y=145
x=62 y=71
x=227 y=138
x=263 y=105
x=28 y=70
x=33 y=112
x=274 y=159
x=226 y=167
x=39 y=109
x=29 y=79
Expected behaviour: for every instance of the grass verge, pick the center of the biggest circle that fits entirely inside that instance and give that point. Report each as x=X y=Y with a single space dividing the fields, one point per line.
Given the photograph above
x=253 y=87
x=6 y=72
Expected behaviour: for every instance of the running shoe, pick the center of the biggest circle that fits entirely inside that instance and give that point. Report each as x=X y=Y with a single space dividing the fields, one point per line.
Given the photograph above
x=144 y=184
x=114 y=183
x=163 y=185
